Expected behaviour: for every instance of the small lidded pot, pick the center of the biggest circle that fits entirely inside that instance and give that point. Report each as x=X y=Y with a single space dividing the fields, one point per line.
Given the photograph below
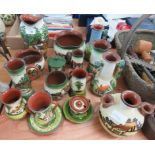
x=56 y=84
x=14 y=104
x=56 y=63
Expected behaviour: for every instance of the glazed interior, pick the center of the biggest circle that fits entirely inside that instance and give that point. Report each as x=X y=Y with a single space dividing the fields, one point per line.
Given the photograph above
x=131 y=98
x=11 y=96
x=147 y=108
x=79 y=73
x=55 y=78
x=111 y=57
x=39 y=101
x=102 y=44
x=77 y=53
x=107 y=100
x=15 y=64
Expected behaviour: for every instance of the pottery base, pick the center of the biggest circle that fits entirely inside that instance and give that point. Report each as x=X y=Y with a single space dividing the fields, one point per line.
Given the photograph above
x=46 y=129
x=69 y=116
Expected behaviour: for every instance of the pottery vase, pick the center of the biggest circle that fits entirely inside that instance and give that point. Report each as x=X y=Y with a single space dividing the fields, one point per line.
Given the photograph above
x=123 y=114
x=17 y=71
x=34 y=61
x=8 y=19
x=105 y=79
x=2 y=29
x=33 y=29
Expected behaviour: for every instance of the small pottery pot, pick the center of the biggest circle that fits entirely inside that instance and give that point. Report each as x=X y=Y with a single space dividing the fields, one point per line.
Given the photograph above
x=79 y=79
x=2 y=29
x=33 y=29
x=34 y=61
x=14 y=104
x=17 y=71
x=78 y=109
x=77 y=58
x=96 y=49
x=105 y=78
x=8 y=19
x=43 y=117
x=123 y=114
x=56 y=84
x=67 y=41
x=96 y=32
x=56 y=63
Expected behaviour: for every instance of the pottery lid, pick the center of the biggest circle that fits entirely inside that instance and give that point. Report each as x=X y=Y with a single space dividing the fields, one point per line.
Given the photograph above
x=56 y=62
x=79 y=104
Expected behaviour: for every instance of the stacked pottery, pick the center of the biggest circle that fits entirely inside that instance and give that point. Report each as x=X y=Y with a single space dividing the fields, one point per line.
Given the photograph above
x=17 y=71
x=78 y=109
x=46 y=116
x=123 y=114
x=15 y=105
x=106 y=78
x=34 y=61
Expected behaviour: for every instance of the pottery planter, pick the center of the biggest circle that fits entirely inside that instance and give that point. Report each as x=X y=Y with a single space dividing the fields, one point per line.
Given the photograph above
x=106 y=78
x=34 y=61
x=78 y=109
x=8 y=19
x=56 y=84
x=2 y=29
x=123 y=114
x=17 y=72
x=67 y=41
x=14 y=104
x=33 y=29
x=56 y=63
x=46 y=115
x=96 y=49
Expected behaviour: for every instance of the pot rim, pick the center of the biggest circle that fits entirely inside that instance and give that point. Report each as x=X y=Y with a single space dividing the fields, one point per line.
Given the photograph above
x=78 y=56
x=93 y=27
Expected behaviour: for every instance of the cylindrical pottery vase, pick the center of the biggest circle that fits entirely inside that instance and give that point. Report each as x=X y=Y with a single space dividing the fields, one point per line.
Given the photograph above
x=14 y=104
x=56 y=84
x=105 y=79
x=97 y=48
x=2 y=29
x=56 y=63
x=68 y=41
x=33 y=29
x=46 y=115
x=34 y=61
x=123 y=114
x=17 y=71
x=77 y=58
x=96 y=32
x=8 y=19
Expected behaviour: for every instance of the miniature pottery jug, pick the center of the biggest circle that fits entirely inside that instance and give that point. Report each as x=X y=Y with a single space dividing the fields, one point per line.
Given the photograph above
x=17 y=71
x=79 y=79
x=44 y=118
x=105 y=78
x=2 y=29
x=67 y=41
x=96 y=49
x=34 y=61
x=33 y=29
x=56 y=84
x=123 y=114
x=8 y=19
x=14 y=104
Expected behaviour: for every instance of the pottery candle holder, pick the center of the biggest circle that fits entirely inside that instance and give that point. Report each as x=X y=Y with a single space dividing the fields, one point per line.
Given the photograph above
x=14 y=104
x=34 y=61
x=17 y=71
x=46 y=115
x=56 y=84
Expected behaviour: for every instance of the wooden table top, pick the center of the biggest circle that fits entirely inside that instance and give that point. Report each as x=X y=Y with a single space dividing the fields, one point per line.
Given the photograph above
x=91 y=130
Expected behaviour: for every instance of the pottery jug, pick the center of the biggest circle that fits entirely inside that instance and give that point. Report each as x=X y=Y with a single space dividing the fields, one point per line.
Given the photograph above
x=2 y=29
x=34 y=61
x=96 y=49
x=33 y=29
x=105 y=79
x=17 y=71
x=123 y=114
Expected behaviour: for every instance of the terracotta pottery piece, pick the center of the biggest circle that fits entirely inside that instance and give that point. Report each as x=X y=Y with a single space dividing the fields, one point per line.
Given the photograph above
x=34 y=61
x=14 y=104
x=56 y=84
x=78 y=109
x=46 y=115
x=106 y=78
x=123 y=114
x=17 y=71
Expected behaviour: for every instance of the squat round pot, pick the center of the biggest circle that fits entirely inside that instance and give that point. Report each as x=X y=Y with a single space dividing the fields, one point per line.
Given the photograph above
x=34 y=61
x=56 y=84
